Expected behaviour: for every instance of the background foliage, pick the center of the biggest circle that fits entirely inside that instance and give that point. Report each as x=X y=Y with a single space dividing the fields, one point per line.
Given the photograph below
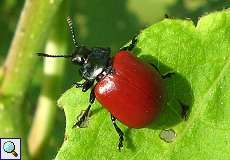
x=27 y=88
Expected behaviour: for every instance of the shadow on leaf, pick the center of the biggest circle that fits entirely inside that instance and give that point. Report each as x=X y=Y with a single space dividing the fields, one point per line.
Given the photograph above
x=178 y=92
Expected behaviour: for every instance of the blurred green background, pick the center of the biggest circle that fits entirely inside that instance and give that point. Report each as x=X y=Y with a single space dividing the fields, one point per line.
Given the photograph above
x=98 y=23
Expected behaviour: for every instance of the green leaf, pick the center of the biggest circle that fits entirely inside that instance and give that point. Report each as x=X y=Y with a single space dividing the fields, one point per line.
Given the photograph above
x=199 y=56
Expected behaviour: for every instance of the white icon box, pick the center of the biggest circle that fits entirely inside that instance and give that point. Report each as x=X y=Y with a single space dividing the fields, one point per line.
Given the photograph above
x=10 y=148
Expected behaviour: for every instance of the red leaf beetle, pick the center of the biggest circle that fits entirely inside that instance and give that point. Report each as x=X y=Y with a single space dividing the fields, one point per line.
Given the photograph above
x=130 y=89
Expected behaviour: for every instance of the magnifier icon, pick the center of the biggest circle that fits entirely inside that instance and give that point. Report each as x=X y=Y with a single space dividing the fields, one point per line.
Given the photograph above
x=9 y=147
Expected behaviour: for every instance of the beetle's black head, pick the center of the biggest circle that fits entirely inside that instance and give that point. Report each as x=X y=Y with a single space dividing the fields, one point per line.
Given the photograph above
x=80 y=55
x=92 y=61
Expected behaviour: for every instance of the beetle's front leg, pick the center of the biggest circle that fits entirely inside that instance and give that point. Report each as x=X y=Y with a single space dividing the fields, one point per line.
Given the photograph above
x=86 y=113
x=85 y=86
x=78 y=85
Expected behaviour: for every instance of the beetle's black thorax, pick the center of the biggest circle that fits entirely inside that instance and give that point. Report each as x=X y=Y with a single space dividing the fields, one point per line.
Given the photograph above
x=95 y=63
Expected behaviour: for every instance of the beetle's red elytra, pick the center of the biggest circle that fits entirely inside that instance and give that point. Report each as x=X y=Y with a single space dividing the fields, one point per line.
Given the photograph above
x=133 y=93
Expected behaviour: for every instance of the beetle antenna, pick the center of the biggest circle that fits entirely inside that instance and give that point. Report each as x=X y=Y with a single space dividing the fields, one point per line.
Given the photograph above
x=48 y=55
x=70 y=23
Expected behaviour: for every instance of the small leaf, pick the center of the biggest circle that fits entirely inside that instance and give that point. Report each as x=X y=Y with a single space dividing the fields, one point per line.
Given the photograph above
x=199 y=56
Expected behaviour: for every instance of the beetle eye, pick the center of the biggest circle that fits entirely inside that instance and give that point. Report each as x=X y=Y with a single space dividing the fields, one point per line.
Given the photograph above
x=78 y=60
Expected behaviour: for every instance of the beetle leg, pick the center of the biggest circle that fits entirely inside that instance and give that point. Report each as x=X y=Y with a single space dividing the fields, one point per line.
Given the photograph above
x=86 y=112
x=167 y=75
x=85 y=86
x=130 y=46
x=83 y=118
x=184 y=110
x=163 y=76
x=169 y=17
x=166 y=15
x=119 y=132
x=92 y=96
x=78 y=85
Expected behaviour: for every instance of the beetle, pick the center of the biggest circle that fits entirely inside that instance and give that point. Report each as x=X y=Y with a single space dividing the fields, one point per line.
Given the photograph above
x=130 y=89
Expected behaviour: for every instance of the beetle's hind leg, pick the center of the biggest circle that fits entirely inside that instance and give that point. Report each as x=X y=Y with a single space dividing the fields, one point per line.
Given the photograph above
x=85 y=115
x=131 y=45
x=165 y=75
x=119 y=132
x=184 y=110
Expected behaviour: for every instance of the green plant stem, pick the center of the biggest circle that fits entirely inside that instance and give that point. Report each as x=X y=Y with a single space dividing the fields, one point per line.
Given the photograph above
x=1 y=74
x=20 y=64
x=44 y=120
